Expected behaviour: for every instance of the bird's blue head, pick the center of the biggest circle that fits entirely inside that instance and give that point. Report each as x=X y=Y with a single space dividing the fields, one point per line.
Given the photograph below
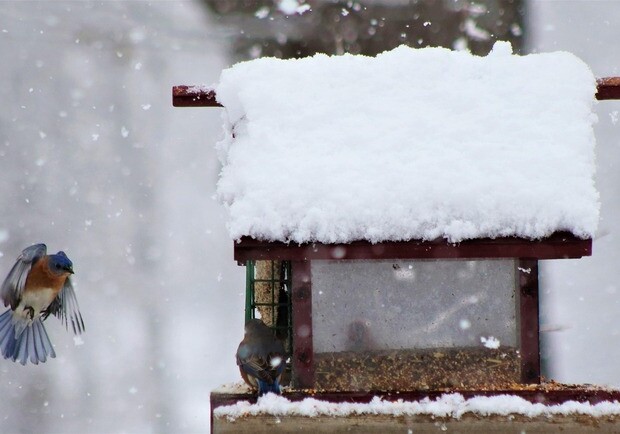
x=59 y=263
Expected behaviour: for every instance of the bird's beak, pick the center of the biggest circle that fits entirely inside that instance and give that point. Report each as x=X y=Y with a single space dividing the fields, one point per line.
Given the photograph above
x=69 y=270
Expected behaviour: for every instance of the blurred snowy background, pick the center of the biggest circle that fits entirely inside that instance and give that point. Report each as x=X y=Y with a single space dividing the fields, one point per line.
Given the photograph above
x=94 y=160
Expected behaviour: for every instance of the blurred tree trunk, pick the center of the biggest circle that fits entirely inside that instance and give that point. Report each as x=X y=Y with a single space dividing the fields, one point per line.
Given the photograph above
x=368 y=27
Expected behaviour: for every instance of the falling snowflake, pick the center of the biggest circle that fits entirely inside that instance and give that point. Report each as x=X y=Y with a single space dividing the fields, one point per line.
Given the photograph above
x=262 y=13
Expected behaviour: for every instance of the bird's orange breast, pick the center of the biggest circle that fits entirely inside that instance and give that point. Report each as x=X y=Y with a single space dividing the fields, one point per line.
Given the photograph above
x=41 y=277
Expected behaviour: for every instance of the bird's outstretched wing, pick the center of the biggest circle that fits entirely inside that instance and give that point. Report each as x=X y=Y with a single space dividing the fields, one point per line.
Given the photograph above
x=13 y=286
x=65 y=307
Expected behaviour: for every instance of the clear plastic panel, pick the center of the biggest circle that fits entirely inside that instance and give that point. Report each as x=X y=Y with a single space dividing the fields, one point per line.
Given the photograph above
x=414 y=325
x=418 y=304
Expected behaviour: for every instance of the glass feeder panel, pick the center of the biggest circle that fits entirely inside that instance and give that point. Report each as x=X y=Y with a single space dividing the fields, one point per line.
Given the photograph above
x=455 y=314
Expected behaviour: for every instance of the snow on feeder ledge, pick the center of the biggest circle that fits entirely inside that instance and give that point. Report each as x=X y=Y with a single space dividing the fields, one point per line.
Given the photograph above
x=392 y=210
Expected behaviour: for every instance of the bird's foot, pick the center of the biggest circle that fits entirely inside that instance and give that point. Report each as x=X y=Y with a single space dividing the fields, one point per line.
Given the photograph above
x=30 y=310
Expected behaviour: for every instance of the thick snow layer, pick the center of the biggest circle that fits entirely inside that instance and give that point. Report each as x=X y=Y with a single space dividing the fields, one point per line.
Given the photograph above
x=447 y=406
x=411 y=144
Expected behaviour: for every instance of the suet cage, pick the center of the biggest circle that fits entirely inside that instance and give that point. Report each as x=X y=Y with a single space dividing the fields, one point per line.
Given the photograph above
x=267 y=296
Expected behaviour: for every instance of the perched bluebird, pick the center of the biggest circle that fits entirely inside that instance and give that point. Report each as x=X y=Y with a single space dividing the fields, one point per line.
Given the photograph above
x=38 y=285
x=261 y=357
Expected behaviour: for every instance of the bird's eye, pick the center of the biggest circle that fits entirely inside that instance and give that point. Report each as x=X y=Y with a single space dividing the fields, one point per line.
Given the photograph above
x=58 y=266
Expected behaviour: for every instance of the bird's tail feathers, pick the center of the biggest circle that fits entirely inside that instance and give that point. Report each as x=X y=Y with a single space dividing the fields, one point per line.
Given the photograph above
x=264 y=387
x=20 y=342
x=7 y=329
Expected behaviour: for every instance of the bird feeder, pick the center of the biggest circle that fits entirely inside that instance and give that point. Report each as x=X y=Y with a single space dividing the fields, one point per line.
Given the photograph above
x=401 y=316
x=363 y=313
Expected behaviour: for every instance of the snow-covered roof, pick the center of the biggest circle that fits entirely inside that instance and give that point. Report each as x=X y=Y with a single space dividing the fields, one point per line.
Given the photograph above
x=411 y=144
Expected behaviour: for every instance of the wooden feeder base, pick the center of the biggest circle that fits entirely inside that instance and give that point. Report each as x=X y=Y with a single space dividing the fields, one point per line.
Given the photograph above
x=571 y=424
x=547 y=393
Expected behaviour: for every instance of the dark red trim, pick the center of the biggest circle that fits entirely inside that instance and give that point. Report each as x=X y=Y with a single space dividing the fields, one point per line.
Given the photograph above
x=558 y=245
x=527 y=278
x=195 y=96
x=303 y=350
x=608 y=88
x=554 y=395
x=192 y=96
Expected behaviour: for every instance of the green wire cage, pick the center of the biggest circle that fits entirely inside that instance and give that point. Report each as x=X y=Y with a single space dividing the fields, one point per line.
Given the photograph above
x=268 y=287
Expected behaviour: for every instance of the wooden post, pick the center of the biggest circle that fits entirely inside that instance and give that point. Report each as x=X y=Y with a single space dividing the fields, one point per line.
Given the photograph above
x=303 y=351
x=528 y=319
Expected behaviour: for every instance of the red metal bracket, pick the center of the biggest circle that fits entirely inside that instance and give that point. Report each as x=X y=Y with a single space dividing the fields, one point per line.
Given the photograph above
x=200 y=96
x=194 y=96
x=608 y=88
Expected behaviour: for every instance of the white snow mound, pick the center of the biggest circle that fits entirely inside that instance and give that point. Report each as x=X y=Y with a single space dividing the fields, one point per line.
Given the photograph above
x=446 y=406
x=411 y=144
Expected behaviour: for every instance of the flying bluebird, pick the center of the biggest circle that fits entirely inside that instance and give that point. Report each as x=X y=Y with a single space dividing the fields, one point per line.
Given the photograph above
x=261 y=357
x=38 y=285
